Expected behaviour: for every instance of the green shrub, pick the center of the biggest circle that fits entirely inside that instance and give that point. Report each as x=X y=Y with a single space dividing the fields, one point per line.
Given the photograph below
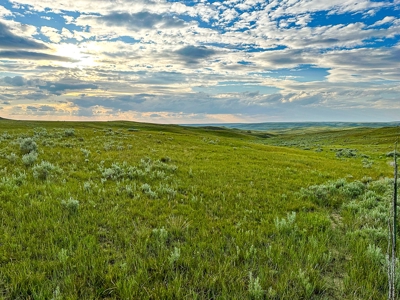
x=69 y=132
x=28 y=145
x=12 y=158
x=71 y=205
x=45 y=170
x=255 y=289
x=30 y=158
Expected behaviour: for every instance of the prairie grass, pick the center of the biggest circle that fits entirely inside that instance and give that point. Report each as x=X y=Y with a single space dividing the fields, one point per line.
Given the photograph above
x=123 y=210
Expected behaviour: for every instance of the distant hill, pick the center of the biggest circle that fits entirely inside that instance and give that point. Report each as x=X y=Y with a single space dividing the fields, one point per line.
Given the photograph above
x=269 y=126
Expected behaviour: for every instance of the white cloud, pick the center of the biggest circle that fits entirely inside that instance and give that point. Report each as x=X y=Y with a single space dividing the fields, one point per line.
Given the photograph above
x=4 y=12
x=385 y=20
x=66 y=33
x=51 y=33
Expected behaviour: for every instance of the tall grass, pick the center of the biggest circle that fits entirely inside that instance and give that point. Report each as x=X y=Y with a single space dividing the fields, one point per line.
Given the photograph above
x=165 y=212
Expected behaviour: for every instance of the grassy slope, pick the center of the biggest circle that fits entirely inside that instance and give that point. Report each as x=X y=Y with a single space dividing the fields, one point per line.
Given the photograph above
x=210 y=232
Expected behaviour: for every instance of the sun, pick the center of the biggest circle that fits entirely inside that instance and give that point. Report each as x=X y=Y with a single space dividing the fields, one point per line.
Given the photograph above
x=80 y=56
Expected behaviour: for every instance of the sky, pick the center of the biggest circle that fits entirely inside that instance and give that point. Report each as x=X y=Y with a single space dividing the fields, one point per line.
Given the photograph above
x=200 y=61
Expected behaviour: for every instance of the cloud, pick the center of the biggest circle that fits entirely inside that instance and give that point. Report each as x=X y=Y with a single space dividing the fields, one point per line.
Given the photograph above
x=192 y=54
x=41 y=108
x=289 y=57
x=51 y=33
x=9 y=40
x=21 y=54
x=58 y=88
x=15 y=81
x=124 y=102
x=36 y=96
x=140 y=20
x=4 y=12
x=385 y=20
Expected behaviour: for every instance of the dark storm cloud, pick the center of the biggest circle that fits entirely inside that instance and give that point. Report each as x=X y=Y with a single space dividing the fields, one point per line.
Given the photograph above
x=20 y=54
x=9 y=40
x=140 y=20
x=192 y=54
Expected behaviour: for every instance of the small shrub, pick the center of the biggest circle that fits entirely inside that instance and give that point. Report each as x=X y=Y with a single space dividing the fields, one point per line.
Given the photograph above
x=85 y=152
x=161 y=234
x=167 y=190
x=19 y=178
x=13 y=182
x=391 y=153
x=57 y=294
x=115 y=172
x=30 y=158
x=28 y=145
x=48 y=143
x=354 y=189
x=69 y=132
x=375 y=254
x=5 y=136
x=367 y=163
x=45 y=170
x=255 y=289
x=12 y=158
x=87 y=186
x=306 y=284
x=63 y=255
x=40 y=131
x=108 y=146
x=251 y=253
x=71 y=205
x=129 y=191
x=134 y=172
x=347 y=153
x=159 y=175
x=175 y=255
x=285 y=225
x=146 y=189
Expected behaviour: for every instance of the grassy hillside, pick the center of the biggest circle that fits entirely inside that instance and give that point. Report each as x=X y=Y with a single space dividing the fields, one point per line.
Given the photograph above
x=123 y=210
x=286 y=127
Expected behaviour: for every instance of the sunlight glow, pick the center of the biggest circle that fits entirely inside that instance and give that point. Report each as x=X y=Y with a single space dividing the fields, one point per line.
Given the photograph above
x=80 y=56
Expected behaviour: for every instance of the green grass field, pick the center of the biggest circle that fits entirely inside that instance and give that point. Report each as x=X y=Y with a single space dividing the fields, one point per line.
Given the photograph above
x=122 y=210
